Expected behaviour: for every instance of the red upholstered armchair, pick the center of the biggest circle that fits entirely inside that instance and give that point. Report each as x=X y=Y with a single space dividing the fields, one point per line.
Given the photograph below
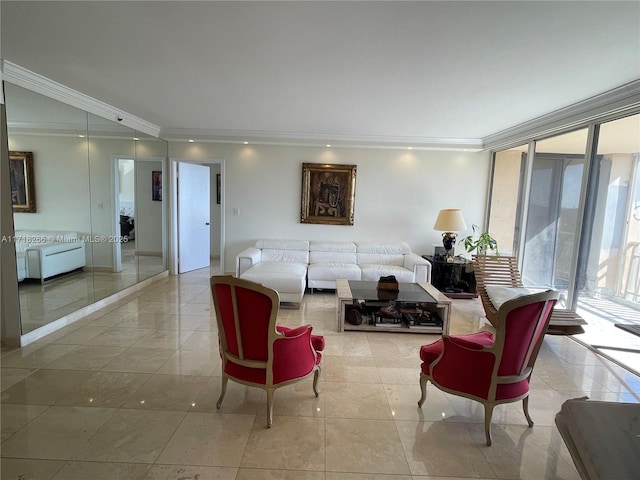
x=491 y=369
x=254 y=350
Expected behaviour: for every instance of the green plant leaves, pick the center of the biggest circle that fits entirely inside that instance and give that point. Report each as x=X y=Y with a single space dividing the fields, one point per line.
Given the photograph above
x=483 y=243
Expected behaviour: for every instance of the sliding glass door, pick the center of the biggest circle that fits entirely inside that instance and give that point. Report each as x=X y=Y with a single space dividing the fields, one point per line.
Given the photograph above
x=553 y=215
x=611 y=265
x=572 y=213
x=608 y=287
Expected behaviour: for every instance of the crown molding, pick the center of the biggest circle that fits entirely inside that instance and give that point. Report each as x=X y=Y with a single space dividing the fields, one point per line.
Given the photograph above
x=612 y=103
x=321 y=140
x=24 y=78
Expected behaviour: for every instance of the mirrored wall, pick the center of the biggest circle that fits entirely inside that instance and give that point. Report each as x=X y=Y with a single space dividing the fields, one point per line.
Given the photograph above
x=97 y=222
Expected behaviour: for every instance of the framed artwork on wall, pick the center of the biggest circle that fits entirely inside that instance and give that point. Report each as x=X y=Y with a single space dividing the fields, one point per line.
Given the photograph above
x=218 y=188
x=23 y=195
x=156 y=186
x=328 y=193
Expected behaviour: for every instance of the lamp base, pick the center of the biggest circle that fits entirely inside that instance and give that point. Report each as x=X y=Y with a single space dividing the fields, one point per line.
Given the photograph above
x=449 y=242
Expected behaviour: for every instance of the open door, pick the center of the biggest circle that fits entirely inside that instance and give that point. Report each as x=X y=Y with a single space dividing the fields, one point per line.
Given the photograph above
x=193 y=217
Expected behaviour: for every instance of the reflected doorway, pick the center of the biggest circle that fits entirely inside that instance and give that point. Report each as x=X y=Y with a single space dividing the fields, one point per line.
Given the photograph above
x=124 y=199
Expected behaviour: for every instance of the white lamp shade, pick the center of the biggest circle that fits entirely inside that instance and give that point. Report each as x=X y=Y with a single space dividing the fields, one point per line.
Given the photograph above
x=450 y=220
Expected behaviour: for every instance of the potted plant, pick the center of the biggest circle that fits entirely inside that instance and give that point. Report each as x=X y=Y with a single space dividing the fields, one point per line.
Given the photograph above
x=482 y=244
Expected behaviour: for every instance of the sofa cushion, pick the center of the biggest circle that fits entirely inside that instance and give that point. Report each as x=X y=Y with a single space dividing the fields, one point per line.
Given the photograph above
x=329 y=246
x=284 y=277
x=373 y=272
x=285 y=256
x=282 y=244
x=382 y=253
x=380 y=259
x=277 y=250
x=332 y=270
x=393 y=248
x=332 y=252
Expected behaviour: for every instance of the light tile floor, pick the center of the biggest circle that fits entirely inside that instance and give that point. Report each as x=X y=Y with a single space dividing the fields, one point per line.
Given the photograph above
x=129 y=393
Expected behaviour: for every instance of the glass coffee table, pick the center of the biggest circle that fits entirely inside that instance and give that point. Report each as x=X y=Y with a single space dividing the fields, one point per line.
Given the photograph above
x=417 y=308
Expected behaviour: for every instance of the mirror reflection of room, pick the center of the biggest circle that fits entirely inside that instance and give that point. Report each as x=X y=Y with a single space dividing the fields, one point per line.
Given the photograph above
x=77 y=163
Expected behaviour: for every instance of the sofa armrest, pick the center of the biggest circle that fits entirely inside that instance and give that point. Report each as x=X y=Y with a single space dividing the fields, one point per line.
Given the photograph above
x=420 y=267
x=247 y=259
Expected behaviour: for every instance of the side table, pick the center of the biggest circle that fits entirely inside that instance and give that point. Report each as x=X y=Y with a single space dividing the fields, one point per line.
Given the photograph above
x=455 y=279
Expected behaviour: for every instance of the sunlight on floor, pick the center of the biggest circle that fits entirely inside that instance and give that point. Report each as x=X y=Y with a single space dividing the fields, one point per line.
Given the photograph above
x=600 y=332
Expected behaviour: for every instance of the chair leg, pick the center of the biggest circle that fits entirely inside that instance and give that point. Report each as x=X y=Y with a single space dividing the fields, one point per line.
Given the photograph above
x=423 y=389
x=316 y=376
x=269 y=407
x=525 y=406
x=223 y=390
x=488 y=413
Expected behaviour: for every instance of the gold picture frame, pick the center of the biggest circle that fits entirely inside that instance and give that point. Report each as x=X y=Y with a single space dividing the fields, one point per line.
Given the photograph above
x=328 y=193
x=23 y=195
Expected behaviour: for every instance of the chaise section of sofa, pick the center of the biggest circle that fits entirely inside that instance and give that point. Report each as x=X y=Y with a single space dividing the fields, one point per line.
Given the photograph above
x=42 y=254
x=277 y=264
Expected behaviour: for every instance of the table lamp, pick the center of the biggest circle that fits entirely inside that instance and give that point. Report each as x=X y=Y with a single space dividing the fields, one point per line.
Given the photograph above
x=449 y=221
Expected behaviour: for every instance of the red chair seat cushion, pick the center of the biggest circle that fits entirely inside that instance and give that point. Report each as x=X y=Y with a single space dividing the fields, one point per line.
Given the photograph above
x=429 y=353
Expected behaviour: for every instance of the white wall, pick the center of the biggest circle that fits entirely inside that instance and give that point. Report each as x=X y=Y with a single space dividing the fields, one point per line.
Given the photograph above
x=398 y=193
x=148 y=212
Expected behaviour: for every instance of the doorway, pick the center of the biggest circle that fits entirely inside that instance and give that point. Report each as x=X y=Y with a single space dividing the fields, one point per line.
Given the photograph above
x=216 y=201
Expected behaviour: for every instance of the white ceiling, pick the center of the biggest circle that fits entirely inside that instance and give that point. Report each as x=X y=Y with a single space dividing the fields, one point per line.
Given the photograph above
x=420 y=72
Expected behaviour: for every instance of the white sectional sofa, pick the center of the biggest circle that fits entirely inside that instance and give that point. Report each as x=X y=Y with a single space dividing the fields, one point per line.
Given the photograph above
x=290 y=266
x=44 y=253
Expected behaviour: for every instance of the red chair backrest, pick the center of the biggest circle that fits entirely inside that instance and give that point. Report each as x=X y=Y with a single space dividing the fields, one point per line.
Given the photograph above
x=246 y=316
x=522 y=324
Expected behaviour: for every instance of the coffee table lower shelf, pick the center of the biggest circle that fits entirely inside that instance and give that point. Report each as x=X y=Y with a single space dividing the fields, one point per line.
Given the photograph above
x=442 y=308
x=401 y=329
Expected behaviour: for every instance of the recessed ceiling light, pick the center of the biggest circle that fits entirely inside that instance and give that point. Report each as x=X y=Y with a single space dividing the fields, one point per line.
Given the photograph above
x=136 y=138
x=80 y=136
x=328 y=145
x=191 y=140
x=409 y=148
x=246 y=143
